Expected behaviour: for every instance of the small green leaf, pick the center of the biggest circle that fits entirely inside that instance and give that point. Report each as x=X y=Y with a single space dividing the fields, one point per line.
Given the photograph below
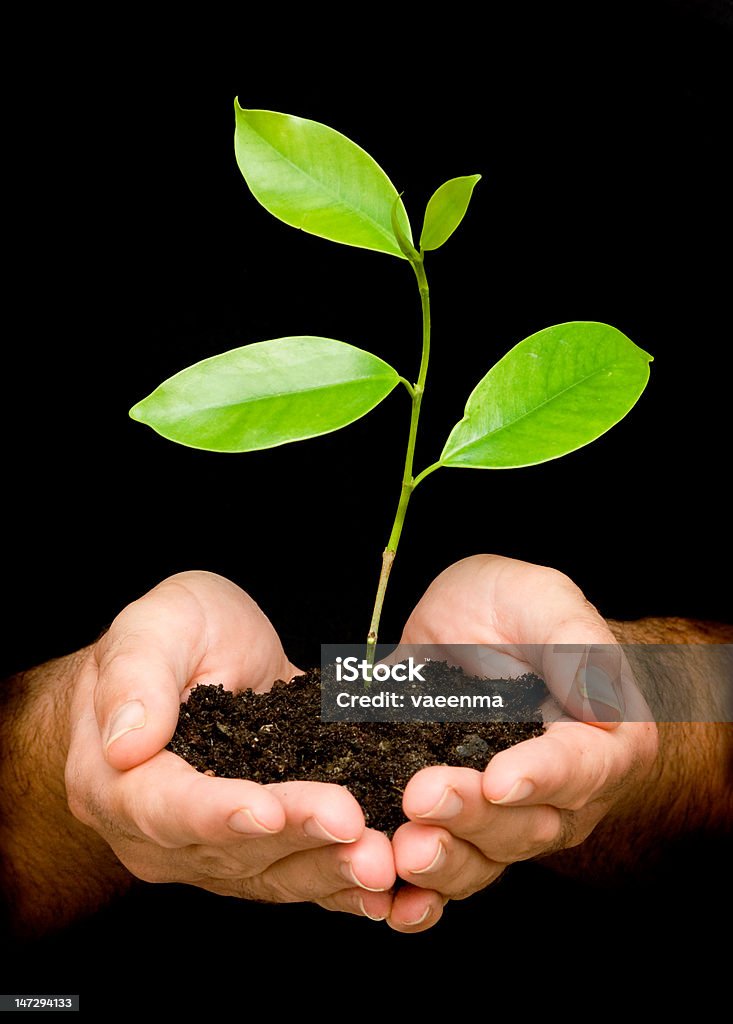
x=314 y=178
x=554 y=392
x=445 y=210
x=267 y=394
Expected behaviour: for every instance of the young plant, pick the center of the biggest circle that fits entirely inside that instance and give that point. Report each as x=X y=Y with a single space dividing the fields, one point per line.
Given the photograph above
x=554 y=392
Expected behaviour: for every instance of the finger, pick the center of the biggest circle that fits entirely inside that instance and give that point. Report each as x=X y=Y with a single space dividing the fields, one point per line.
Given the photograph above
x=443 y=794
x=571 y=764
x=499 y=600
x=374 y=905
x=592 y=681
x=366 y=865
x=242 y=646
x=137 y=702
x=566 y=767
x=432 y=858
x=144 y=663
x=454 y=799
x=325 y=875
x=415 y=910
x=317 y=814
x=543 y=616
x=193 y=627
x=173 y=805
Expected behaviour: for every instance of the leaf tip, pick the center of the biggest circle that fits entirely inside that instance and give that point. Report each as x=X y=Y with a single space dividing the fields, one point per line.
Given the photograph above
x=446 y=209
x=136 y=413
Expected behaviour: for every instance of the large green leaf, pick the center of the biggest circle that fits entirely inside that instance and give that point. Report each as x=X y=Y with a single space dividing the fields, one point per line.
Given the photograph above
x=267 y=394
x=314 y=178
x=552 y=393
x=446 y=209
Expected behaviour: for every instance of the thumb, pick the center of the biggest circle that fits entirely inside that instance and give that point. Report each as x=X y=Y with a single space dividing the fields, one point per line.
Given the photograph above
x=594 y=683
x=136 y=702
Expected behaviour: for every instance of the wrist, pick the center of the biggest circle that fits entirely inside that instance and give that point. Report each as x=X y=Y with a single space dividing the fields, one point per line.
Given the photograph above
x=686 y=789
x=684 y=669
x=45 y=850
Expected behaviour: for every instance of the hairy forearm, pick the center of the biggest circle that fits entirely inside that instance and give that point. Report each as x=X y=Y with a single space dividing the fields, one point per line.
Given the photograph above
x=53 y=868
x=690 y=788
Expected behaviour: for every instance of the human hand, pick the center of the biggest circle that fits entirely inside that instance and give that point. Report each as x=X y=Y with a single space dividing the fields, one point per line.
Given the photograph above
x=542 y=795
x=166 y=822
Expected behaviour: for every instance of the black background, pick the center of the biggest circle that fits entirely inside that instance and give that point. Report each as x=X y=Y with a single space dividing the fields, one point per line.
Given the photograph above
x=601 y=134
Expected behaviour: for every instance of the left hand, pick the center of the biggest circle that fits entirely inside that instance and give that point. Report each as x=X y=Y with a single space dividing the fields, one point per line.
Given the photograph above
x=540 y=796
x=165 y=822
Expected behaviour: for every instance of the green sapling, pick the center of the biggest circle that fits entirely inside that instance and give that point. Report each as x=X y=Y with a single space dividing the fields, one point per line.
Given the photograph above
x=552 y=393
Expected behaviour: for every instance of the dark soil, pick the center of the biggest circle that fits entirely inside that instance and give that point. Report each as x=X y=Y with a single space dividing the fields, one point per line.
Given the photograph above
x=279 y=736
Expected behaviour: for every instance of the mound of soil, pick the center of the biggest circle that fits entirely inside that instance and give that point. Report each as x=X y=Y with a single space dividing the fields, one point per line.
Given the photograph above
x=279 y=736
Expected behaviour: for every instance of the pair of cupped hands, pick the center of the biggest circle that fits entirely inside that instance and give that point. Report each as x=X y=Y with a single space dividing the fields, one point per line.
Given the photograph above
x=307 y=841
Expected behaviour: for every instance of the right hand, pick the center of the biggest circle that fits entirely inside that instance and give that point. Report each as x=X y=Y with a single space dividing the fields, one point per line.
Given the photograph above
x=166 y=822
x=544 y=794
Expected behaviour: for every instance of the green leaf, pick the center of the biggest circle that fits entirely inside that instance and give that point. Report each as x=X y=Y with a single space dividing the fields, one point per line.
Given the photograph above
x=552 y=393
x=316 y=179
x=445 y=210
x=267 y=394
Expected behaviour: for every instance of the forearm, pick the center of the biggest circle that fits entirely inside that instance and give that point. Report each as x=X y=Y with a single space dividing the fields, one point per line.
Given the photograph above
x=690 y=787
x=53 y=868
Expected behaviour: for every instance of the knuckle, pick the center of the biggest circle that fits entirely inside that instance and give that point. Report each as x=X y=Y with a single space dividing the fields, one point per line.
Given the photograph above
x=343 y=902
x=94 y=809
x=558 y=578
x=593 y=773
x=548 y=827
x=247 y=889
x=462 y=892
x=283 y=893
x=262 y=888
x=528 y=838
x=570 y=835
x=142 y=809
x=215 y=866
x=280 y=888
x=576 y=831
x=76 y=797
x=558 y=581
x=116 y=662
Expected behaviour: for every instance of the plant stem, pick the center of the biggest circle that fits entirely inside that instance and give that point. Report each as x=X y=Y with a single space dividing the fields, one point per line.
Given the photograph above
x=408 y=482
x=426 y=472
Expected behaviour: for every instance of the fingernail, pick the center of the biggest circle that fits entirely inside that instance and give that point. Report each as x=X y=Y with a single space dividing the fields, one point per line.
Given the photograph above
x=130 y=716
x=425 y=916
x=437 y=862
x=245 y=822
x=365 y=912
x=347 y=870
x=595 y=685
x=449 y=805
x=521 y=789
x=315 y=830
